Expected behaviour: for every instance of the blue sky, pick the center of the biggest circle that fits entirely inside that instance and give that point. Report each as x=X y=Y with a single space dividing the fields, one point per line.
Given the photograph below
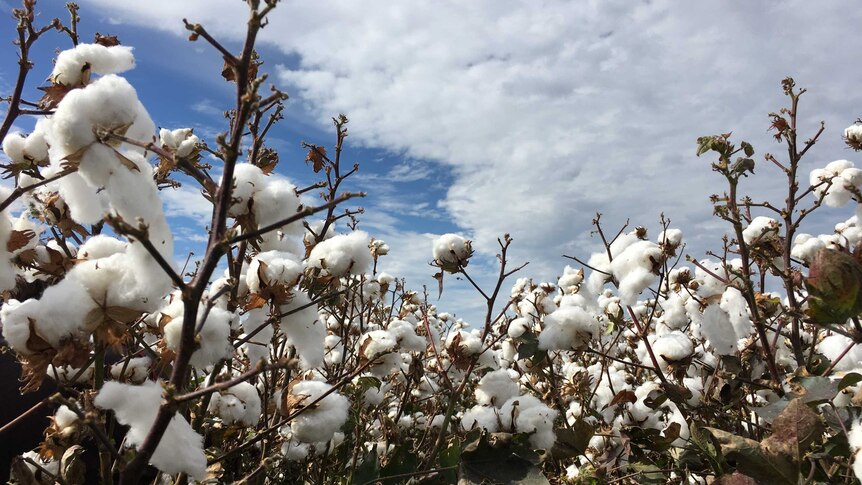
x=493 y=116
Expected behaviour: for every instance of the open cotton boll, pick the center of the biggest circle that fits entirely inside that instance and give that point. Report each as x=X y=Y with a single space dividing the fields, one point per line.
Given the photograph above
x=405 y=334
x=495 y=388
x=568 y=328
x=834 y=345
x=64 y=417
x=247 y=180
x=213 y=337
x=672 y=347
x=486 y=417
x=733 y=302
x=181 y=141
x=526 y=414
x=135 y=370
x=805 y=246
x=717 y=328
x=180 y=449
x=239 y=404
x=276 y=200
x=452 y=250
x=853 y=134
x=318 y=424
x=101 y=246
x=257 y=347
x=671 y=237
x=304 y=330
x=761 y=229
x=836 y=194
x=109 y=104
x=272 y=268
x=85 y=203
x=342 y=254
x=69 y=66
x=13 y=147
x=570 y=280
x=634 y=269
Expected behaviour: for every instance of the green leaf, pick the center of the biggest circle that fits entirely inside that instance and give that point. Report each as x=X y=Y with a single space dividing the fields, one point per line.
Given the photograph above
x=835 y=286
x=572 y=442
x=750 y=459
x=368 y=470
x=849 y=379
x=365 y=383
x=484 y=461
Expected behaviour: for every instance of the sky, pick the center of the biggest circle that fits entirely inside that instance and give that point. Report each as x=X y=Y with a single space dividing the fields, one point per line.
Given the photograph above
x=502 y=116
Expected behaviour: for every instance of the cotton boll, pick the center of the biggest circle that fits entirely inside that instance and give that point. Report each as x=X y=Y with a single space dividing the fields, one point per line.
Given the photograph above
x=213 y=337
x=257 y=347
x=181 y=141
x=304 y=330
x=834 y=345
x=486 y=417
x=634 y=269
x=836 y=195
x=134 y=370
x=526 y=414
x=318 y=424
x=275 y=201
x=64 y=417
x=101 y=246
x=671 y=237
x=570 y=280
x=239 y=404
x=13 y=147
x=69 y=66
x=761 y=229
x=452 y=251
x=248 y=179
x=405 y=334
x=718 y=330
x=109 y=103
x=342 y=255
x=518 y=326
x=805 y=246
x=853 y=135
x=495 y=388
x=86 y=205
x=568 y=328
x=272 y=268
x=736 y=307
x=672 y=347
x=181 y=448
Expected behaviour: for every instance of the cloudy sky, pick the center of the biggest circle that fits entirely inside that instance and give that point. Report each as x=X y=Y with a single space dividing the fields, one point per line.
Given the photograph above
x=526 y=117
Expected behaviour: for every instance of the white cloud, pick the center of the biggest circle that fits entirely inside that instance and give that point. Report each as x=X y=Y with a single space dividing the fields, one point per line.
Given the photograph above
x=186 y=201
x=207 y=107
x=547 y=112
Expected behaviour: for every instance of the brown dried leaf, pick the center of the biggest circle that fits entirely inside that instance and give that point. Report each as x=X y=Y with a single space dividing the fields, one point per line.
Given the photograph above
x=132 y=166
x=316 y=155
x=53 y=95
x=19 y=239
x=73 y=353
x=106 y=40
x=255 y=301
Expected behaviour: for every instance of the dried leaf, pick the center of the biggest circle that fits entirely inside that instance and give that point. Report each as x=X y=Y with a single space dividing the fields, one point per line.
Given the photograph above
x=316 y=155
x=106 y=40
x=132 y=166
x=255 y=301
x=53 y=95
x=19 y=239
